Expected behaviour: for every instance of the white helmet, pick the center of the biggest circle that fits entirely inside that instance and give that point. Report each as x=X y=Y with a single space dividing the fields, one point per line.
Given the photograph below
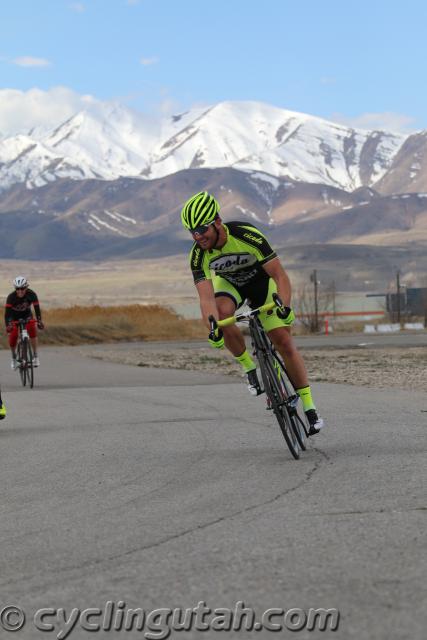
x=20 y=282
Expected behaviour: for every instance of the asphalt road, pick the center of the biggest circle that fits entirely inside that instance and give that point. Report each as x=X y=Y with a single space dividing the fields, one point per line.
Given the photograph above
x=160 y=488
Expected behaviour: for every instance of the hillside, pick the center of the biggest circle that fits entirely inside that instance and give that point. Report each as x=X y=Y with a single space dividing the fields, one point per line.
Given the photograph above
x=108 y=184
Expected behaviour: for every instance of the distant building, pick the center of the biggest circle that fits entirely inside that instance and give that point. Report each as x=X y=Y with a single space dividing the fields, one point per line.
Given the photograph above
x=413 y=301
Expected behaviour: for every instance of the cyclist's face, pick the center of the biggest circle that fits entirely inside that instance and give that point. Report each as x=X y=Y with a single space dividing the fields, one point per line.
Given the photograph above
x=208 y=238
x=21 y=292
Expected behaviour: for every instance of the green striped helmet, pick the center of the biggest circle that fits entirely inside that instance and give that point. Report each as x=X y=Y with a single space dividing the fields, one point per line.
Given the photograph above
x=198 y=210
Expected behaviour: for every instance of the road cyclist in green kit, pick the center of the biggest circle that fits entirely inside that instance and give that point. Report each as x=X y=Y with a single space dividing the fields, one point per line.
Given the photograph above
x=232 y=263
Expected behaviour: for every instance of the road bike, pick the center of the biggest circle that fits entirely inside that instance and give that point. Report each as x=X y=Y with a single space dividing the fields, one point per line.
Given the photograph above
x=282 y=398
x=24 y=354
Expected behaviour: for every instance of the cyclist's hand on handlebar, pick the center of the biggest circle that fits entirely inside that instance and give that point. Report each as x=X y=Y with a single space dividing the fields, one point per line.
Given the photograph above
x=286 y=314
x=216 y=338
x=283 y=312
x=40 y=324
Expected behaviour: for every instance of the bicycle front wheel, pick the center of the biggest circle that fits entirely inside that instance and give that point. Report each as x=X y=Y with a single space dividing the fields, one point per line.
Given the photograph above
x=30 y=366
x=300 y=430
x=294 y=408
x=22 y=361
x=276 y=394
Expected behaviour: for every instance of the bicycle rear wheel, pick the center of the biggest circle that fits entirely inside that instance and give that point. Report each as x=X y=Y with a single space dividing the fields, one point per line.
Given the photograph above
x=277 y=395
x=30 y=366
x=22 y=360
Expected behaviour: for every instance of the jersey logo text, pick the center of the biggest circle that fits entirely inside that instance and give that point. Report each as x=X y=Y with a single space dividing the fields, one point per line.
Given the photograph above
x=256 y=239
x=196 y=257
x=232 y=262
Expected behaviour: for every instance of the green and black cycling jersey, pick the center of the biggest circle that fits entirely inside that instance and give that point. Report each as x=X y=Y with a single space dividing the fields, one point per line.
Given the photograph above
x=240 y=261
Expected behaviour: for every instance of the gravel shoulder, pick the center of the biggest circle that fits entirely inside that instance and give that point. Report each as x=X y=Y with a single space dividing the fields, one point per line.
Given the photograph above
x=402 y=368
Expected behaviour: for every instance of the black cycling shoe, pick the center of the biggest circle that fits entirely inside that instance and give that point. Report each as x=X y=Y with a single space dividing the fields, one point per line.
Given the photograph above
x=253 y=383
x=316 y=422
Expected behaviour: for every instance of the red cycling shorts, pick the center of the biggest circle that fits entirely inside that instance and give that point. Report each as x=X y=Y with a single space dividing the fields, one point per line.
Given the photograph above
x=31 y=327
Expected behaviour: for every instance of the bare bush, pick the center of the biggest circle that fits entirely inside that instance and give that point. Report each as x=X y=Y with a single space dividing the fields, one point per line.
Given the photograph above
x=311 y=306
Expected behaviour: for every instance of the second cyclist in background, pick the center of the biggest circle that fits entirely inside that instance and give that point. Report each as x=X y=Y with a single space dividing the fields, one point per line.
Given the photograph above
x=18 y=306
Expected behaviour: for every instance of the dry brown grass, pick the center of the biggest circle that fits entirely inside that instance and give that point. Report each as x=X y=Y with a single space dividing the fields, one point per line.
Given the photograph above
x=88 y=325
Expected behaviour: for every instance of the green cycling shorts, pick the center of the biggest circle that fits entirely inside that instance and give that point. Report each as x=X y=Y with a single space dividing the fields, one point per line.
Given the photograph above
x=257 y=295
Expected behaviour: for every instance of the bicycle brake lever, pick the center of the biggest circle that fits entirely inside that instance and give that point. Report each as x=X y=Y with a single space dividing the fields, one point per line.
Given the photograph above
x=212 y=323
x=277 y=299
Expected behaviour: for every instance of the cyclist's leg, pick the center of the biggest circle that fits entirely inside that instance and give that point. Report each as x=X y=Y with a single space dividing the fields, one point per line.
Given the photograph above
x=31 y=327
x=283 y=341
x=228 y=299
x=281 y=337
x=3 y=410
x=13 y=339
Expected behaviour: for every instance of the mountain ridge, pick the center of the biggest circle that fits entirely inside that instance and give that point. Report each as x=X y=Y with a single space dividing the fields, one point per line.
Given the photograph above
x=110 y=182
x=112 y=142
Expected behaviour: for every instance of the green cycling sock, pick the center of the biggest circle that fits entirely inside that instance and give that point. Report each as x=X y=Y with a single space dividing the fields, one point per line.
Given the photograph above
x=246 y=361
x=305 y=395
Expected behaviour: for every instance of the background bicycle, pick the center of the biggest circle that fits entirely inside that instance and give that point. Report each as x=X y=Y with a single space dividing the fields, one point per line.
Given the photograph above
x=24 y=354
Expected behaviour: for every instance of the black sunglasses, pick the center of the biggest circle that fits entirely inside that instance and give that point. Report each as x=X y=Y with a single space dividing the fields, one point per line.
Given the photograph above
x=21 y=288
x=200 y=231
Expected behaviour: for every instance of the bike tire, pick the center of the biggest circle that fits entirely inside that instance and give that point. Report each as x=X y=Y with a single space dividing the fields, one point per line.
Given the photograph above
x=274 y=391
x=30 y=366
x=22 y=358
x=300 y=431
x=298 y=423
x=296 y=420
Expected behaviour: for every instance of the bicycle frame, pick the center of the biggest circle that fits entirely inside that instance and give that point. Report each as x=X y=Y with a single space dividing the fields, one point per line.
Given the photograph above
x=25 y=354
x=278 y=387
x=23 y=331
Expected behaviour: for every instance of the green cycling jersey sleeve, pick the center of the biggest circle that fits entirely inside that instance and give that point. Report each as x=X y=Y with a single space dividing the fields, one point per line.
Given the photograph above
x=199 y=266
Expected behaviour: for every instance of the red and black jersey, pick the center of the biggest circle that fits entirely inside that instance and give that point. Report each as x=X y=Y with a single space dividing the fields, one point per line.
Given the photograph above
x=17 y=308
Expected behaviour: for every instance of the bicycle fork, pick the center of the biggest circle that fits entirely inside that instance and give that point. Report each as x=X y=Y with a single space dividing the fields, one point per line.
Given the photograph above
x=290 y=402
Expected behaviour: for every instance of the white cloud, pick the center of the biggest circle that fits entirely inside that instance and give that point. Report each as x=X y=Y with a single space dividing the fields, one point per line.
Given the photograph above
x=20 y=111
x=147 y=61
x=29 y=61
x=387 y=121
x=79 y=7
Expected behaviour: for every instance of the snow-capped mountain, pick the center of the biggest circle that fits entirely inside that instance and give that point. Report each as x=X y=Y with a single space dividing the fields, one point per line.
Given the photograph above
x=108 y=181
x=109 y=142
x=103 y=142
x=256 y=137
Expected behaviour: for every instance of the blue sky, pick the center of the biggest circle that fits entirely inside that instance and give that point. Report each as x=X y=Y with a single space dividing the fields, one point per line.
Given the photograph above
x=362 y=63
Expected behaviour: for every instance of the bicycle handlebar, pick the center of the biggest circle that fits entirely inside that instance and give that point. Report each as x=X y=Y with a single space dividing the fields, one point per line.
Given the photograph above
x=22 y=321
x=247 y=314
x=241 y=316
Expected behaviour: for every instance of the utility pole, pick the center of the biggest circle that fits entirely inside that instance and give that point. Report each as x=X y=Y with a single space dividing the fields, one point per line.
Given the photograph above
x=313 y=278
x=334 y=298
x=398 y=295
